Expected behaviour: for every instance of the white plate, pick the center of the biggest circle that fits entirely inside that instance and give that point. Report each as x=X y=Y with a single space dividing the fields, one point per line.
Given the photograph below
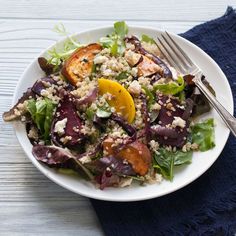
x=184 y=174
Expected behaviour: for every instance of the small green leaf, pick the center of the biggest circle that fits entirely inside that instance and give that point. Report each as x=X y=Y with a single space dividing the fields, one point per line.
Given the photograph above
x=147 y=39
x=165 y=161
x=150 y=96
x=203 y=135
x=182 y=157
x=121 y=28
x=114 y=49
x=106 y=42
x=115 y=41
x=31 y=107
x=48 y=117
x=90 y=113
x=103 y=113
x=40 y=114
x=122 y=75
x=172 y=87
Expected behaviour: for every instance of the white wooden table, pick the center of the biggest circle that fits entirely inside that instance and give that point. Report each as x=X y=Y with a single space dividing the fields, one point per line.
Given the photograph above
x=30 y=204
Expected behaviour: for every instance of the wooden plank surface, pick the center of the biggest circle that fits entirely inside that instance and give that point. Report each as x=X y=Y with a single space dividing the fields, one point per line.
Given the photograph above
x=30 y=204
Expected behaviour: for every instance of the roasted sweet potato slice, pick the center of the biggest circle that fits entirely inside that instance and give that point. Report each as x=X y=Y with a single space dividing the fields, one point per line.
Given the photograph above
x=137 y=154
x=79 y=65
x=147 y=67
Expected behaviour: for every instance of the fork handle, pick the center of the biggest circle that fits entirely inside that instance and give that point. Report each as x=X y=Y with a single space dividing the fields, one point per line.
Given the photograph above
x=229 y=120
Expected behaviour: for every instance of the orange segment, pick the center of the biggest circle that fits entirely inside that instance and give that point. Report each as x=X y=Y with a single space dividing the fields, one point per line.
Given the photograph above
x=121 y=99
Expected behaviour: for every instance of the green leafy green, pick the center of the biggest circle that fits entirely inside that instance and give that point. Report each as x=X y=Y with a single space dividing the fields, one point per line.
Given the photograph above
x=90 y=113
x=203 y=134
x=58 y=54
x=121 y=28
x=150 y=96
x=31 y=107
x=48 y=117
x=122 y=75
x=147 y=39
x=103 y=113
x=115 y=41
x=165 y=161
x=173 y=87
x=182 y=157
x=42 y=113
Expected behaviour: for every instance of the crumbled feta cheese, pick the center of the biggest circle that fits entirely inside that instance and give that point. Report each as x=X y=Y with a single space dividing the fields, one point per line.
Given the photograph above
x=155 y=106
x=178 y=121
x=60 y=126
x=135 y=88
x=132 y=58
x=33 y=134
x=125 y=182
x=154 y=145
x=85 y=159
x=100 y=59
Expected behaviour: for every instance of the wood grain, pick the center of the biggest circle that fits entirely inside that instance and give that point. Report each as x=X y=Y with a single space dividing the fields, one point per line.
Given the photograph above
x=30 y=204
x=170 y=10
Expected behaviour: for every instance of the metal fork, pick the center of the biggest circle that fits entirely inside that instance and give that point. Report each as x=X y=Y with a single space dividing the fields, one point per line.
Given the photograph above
x=177 y=58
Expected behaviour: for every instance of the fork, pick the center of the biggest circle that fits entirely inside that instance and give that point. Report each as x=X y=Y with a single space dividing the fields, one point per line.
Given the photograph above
x=177 y=58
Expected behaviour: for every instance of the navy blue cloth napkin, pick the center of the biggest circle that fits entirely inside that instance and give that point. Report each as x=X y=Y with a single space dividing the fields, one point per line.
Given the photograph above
x=208 y=205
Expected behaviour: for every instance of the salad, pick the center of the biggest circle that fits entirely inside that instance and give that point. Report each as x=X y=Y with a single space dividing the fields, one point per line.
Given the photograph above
x=113 y=111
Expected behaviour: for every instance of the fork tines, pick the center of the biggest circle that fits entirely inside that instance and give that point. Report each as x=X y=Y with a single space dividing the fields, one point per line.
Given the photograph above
x=174 y=53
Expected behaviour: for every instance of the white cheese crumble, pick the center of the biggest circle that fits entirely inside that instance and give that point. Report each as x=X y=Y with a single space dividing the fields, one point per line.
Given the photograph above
x=154 y=145
x=178 y=121
x=60 y=126
x=132 y=58
x=155 y=106
x=100 y=59
x=135 y=88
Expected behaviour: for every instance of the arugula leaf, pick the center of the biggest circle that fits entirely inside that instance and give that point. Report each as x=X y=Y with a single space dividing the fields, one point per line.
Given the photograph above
x=166 y=160
x=115 y=40
x=172 y=87
x=182 y=157
x=103 y=113
x=147 y=39
x=121 y=28
x=31 y=107
x=164 y=163
x=42 y=114
x=203 y=134
x=122 y=75
x=149 y=95
x=57 y=55
x=114 y=48
x=48 y=117
x=90 y=113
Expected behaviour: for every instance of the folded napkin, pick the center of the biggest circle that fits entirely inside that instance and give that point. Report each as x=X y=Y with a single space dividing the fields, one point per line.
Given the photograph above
x=208 y=205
